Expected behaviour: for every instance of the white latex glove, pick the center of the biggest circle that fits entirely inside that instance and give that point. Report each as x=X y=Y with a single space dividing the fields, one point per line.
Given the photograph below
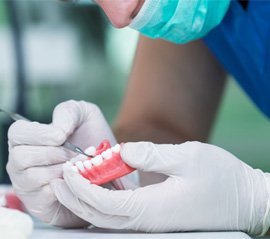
x=36 y=157
x=14 y=224
x=208 y=189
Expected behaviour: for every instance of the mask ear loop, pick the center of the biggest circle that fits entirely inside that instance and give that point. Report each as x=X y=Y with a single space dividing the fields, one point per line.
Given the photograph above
x=137 y=9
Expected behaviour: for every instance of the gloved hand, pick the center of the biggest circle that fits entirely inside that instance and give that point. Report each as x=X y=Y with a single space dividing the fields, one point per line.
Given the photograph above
x=15 y=224
x=36 y=156
x=207 y=189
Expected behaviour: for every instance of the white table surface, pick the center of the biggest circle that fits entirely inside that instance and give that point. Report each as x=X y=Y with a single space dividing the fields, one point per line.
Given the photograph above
x=47 y=232
x=43 y=231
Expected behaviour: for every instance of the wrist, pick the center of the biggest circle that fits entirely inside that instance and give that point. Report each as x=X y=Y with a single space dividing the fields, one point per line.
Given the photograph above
x=259 y=218
x=266 y=218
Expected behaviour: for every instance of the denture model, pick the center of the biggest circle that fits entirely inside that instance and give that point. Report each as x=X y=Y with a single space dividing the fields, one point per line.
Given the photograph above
x=10 y=200
x=14 y=202
x=103 y=165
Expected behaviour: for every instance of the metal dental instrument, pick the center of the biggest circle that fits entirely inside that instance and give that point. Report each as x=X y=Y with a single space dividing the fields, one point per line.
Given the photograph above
x=74 y=148
x=66 y=145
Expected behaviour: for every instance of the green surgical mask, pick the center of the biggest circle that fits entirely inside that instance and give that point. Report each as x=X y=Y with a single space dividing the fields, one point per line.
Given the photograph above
x=179 y=21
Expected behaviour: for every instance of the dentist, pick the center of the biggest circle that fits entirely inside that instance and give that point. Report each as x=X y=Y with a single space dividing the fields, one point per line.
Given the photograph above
x=174 y=92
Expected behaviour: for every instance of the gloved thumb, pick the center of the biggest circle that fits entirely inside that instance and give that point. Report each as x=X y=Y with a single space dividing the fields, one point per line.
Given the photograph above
x=160 y=158
x=67 y=116
x=84 y=118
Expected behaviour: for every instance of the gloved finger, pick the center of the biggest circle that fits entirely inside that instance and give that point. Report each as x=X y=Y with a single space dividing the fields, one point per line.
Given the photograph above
x=24 y=156
x=68 y=116
x=34 y=201
x=65 y=218
x=86 y=118
x=120 y=201
x=85 y=211
x=160 y=158
x=44 y=205
x=34 y=178
x=34 y=133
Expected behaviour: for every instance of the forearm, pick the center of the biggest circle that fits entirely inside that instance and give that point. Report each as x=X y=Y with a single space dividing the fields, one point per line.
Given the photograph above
x=146 y=132
x=172 y=95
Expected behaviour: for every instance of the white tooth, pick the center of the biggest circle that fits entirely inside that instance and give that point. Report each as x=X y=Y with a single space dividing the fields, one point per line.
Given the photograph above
x=116 y=148
x=87 y=164
x=74 y=169
x=90 y=151
x=107 y=154
x=79 y=165
x=97 y=160
x=80 y=157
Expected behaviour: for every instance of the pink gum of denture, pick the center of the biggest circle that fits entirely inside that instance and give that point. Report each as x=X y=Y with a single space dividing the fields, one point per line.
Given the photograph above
x=13 y=202
x=109 y=170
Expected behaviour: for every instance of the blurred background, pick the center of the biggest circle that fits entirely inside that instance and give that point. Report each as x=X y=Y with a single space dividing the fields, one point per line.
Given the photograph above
x=52 y=52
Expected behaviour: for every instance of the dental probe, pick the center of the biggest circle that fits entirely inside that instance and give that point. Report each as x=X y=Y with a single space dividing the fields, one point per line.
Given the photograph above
x=66 y=145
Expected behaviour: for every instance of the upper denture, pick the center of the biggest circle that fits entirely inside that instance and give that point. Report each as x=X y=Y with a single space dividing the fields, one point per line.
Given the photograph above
x=105 y=166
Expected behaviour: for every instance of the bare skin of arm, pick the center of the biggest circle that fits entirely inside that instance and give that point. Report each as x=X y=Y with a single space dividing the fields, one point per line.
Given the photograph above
x=173 y=95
